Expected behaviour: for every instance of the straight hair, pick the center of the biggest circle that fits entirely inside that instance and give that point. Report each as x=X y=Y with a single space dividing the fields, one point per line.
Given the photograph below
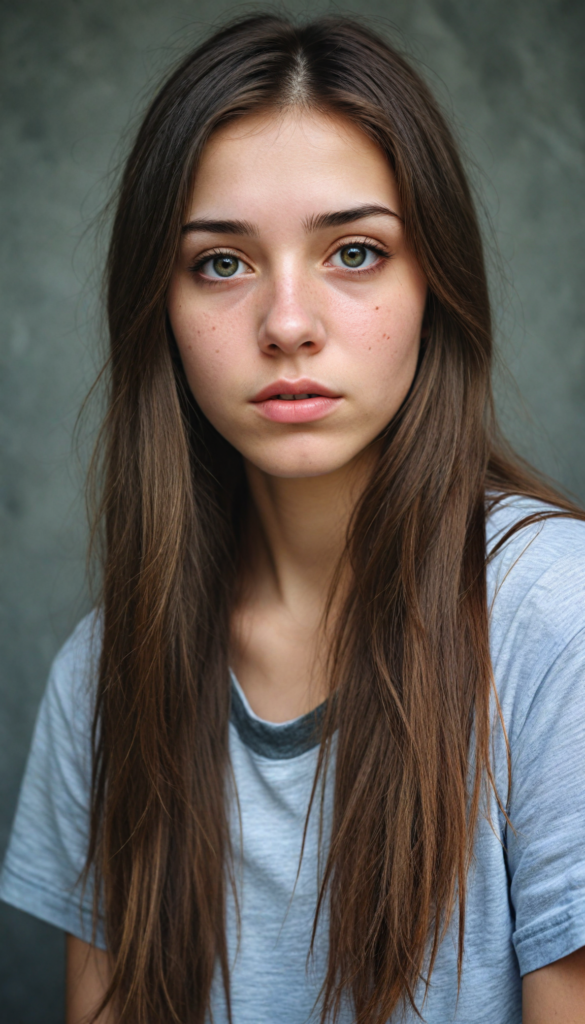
x=410 y=649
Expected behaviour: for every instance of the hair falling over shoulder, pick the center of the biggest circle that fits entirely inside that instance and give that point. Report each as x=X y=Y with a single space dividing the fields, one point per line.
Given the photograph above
x=412 y=649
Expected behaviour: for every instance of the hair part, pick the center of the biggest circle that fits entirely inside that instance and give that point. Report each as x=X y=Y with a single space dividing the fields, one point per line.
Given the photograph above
x=295 y=91
x=411 y=645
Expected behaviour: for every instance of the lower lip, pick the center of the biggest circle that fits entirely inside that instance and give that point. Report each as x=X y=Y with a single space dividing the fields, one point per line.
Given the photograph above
x=305 y=410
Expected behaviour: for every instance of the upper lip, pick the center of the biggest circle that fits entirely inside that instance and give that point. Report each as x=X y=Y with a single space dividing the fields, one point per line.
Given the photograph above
x=304 y=386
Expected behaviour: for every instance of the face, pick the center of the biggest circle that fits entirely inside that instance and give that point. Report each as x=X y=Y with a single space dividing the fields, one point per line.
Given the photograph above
x=295 y=303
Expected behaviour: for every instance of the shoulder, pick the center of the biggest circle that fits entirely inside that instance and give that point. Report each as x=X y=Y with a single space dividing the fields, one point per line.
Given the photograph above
x=69 y=696
x=59 y=764
x=542 y=562
x=536 y=593
x=81 y=650
x=536 y=601
x=48 y=843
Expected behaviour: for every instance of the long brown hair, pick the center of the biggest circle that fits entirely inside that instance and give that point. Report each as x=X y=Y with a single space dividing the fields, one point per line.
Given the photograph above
x=411 y=649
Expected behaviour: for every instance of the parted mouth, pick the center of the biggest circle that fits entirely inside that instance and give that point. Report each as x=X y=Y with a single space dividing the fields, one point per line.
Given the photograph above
x=294 y=391
x=295 y=398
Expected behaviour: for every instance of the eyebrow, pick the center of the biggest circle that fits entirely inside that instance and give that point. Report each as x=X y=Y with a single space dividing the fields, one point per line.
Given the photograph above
x=220 y=227
x=315 y=223
x=339 y=217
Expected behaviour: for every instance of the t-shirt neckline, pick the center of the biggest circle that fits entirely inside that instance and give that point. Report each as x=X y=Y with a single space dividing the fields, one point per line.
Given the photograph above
x=277 y=741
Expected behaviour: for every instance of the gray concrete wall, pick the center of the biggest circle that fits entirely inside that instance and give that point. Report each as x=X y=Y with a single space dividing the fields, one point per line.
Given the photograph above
x=74 y=72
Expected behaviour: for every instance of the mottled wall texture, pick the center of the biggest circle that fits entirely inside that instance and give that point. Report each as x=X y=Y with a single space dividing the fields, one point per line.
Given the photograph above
x=75 y=73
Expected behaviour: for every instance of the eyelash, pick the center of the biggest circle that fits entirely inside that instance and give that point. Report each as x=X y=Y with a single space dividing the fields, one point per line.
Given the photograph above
x=200 y=261
x=374 y=247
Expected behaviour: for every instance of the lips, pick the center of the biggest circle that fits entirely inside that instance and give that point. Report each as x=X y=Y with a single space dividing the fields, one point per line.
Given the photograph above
x=300 y=401
x=294 y=390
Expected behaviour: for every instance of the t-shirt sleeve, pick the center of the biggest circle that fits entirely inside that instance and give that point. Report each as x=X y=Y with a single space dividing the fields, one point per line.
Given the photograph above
x=48 y=844
x=546 y=844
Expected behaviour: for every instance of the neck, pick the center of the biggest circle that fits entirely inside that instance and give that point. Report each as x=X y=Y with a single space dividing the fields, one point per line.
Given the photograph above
x=299 y=529
x=297 y=536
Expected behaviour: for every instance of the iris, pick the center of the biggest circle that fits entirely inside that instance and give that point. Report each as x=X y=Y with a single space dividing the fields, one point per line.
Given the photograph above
x=225 y=265
x=353 y=255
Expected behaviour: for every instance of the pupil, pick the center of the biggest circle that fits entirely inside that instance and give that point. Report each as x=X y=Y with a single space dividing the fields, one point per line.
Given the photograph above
x=225 y=266
x=354 y=255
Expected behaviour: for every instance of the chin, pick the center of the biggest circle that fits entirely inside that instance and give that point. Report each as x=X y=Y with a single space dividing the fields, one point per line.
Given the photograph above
x=300 y=472
x=311 y=461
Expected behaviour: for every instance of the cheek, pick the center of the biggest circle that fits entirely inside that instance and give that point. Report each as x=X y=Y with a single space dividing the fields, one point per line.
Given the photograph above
x=209 y=350
x=383 y=341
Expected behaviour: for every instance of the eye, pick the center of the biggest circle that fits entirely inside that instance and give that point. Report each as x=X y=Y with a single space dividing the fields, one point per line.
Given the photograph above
x=221 y=266
x=356 y=256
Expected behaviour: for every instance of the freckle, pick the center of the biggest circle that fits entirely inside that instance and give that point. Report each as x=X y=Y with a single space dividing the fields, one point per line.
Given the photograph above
x=217 y=350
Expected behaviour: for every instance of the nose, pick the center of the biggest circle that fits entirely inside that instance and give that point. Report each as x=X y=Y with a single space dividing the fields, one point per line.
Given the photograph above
x=290 y=321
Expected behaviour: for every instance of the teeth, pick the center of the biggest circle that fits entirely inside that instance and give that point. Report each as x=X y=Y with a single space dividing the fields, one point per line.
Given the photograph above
x=292 y=398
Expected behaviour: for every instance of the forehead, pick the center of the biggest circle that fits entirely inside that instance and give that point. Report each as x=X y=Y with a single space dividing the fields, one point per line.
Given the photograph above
x=295 y=161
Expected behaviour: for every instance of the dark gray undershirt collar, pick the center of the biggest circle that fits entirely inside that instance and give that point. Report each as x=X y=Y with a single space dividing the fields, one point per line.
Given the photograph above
x=276 y=740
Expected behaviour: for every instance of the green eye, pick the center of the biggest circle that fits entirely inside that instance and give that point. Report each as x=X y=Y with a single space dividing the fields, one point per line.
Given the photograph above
x=225 y=266
x=353 y=255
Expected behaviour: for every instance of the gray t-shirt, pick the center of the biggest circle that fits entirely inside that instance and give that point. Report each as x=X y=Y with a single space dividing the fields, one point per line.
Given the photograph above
x=526 y=899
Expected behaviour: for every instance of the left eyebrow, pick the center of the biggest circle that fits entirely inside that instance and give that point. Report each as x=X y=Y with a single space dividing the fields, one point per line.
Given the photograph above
x=333 y=220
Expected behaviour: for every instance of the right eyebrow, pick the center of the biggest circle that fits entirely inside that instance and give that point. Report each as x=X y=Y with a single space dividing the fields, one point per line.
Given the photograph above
x=221 y=227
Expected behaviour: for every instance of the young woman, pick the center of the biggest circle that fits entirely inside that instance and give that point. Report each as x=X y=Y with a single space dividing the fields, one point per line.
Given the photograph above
x=337 y=763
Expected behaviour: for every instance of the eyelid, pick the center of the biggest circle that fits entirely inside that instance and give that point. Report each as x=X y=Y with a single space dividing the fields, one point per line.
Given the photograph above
x=376 y=247
x=208 y=254
x=365 y=240
x=196 y=266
